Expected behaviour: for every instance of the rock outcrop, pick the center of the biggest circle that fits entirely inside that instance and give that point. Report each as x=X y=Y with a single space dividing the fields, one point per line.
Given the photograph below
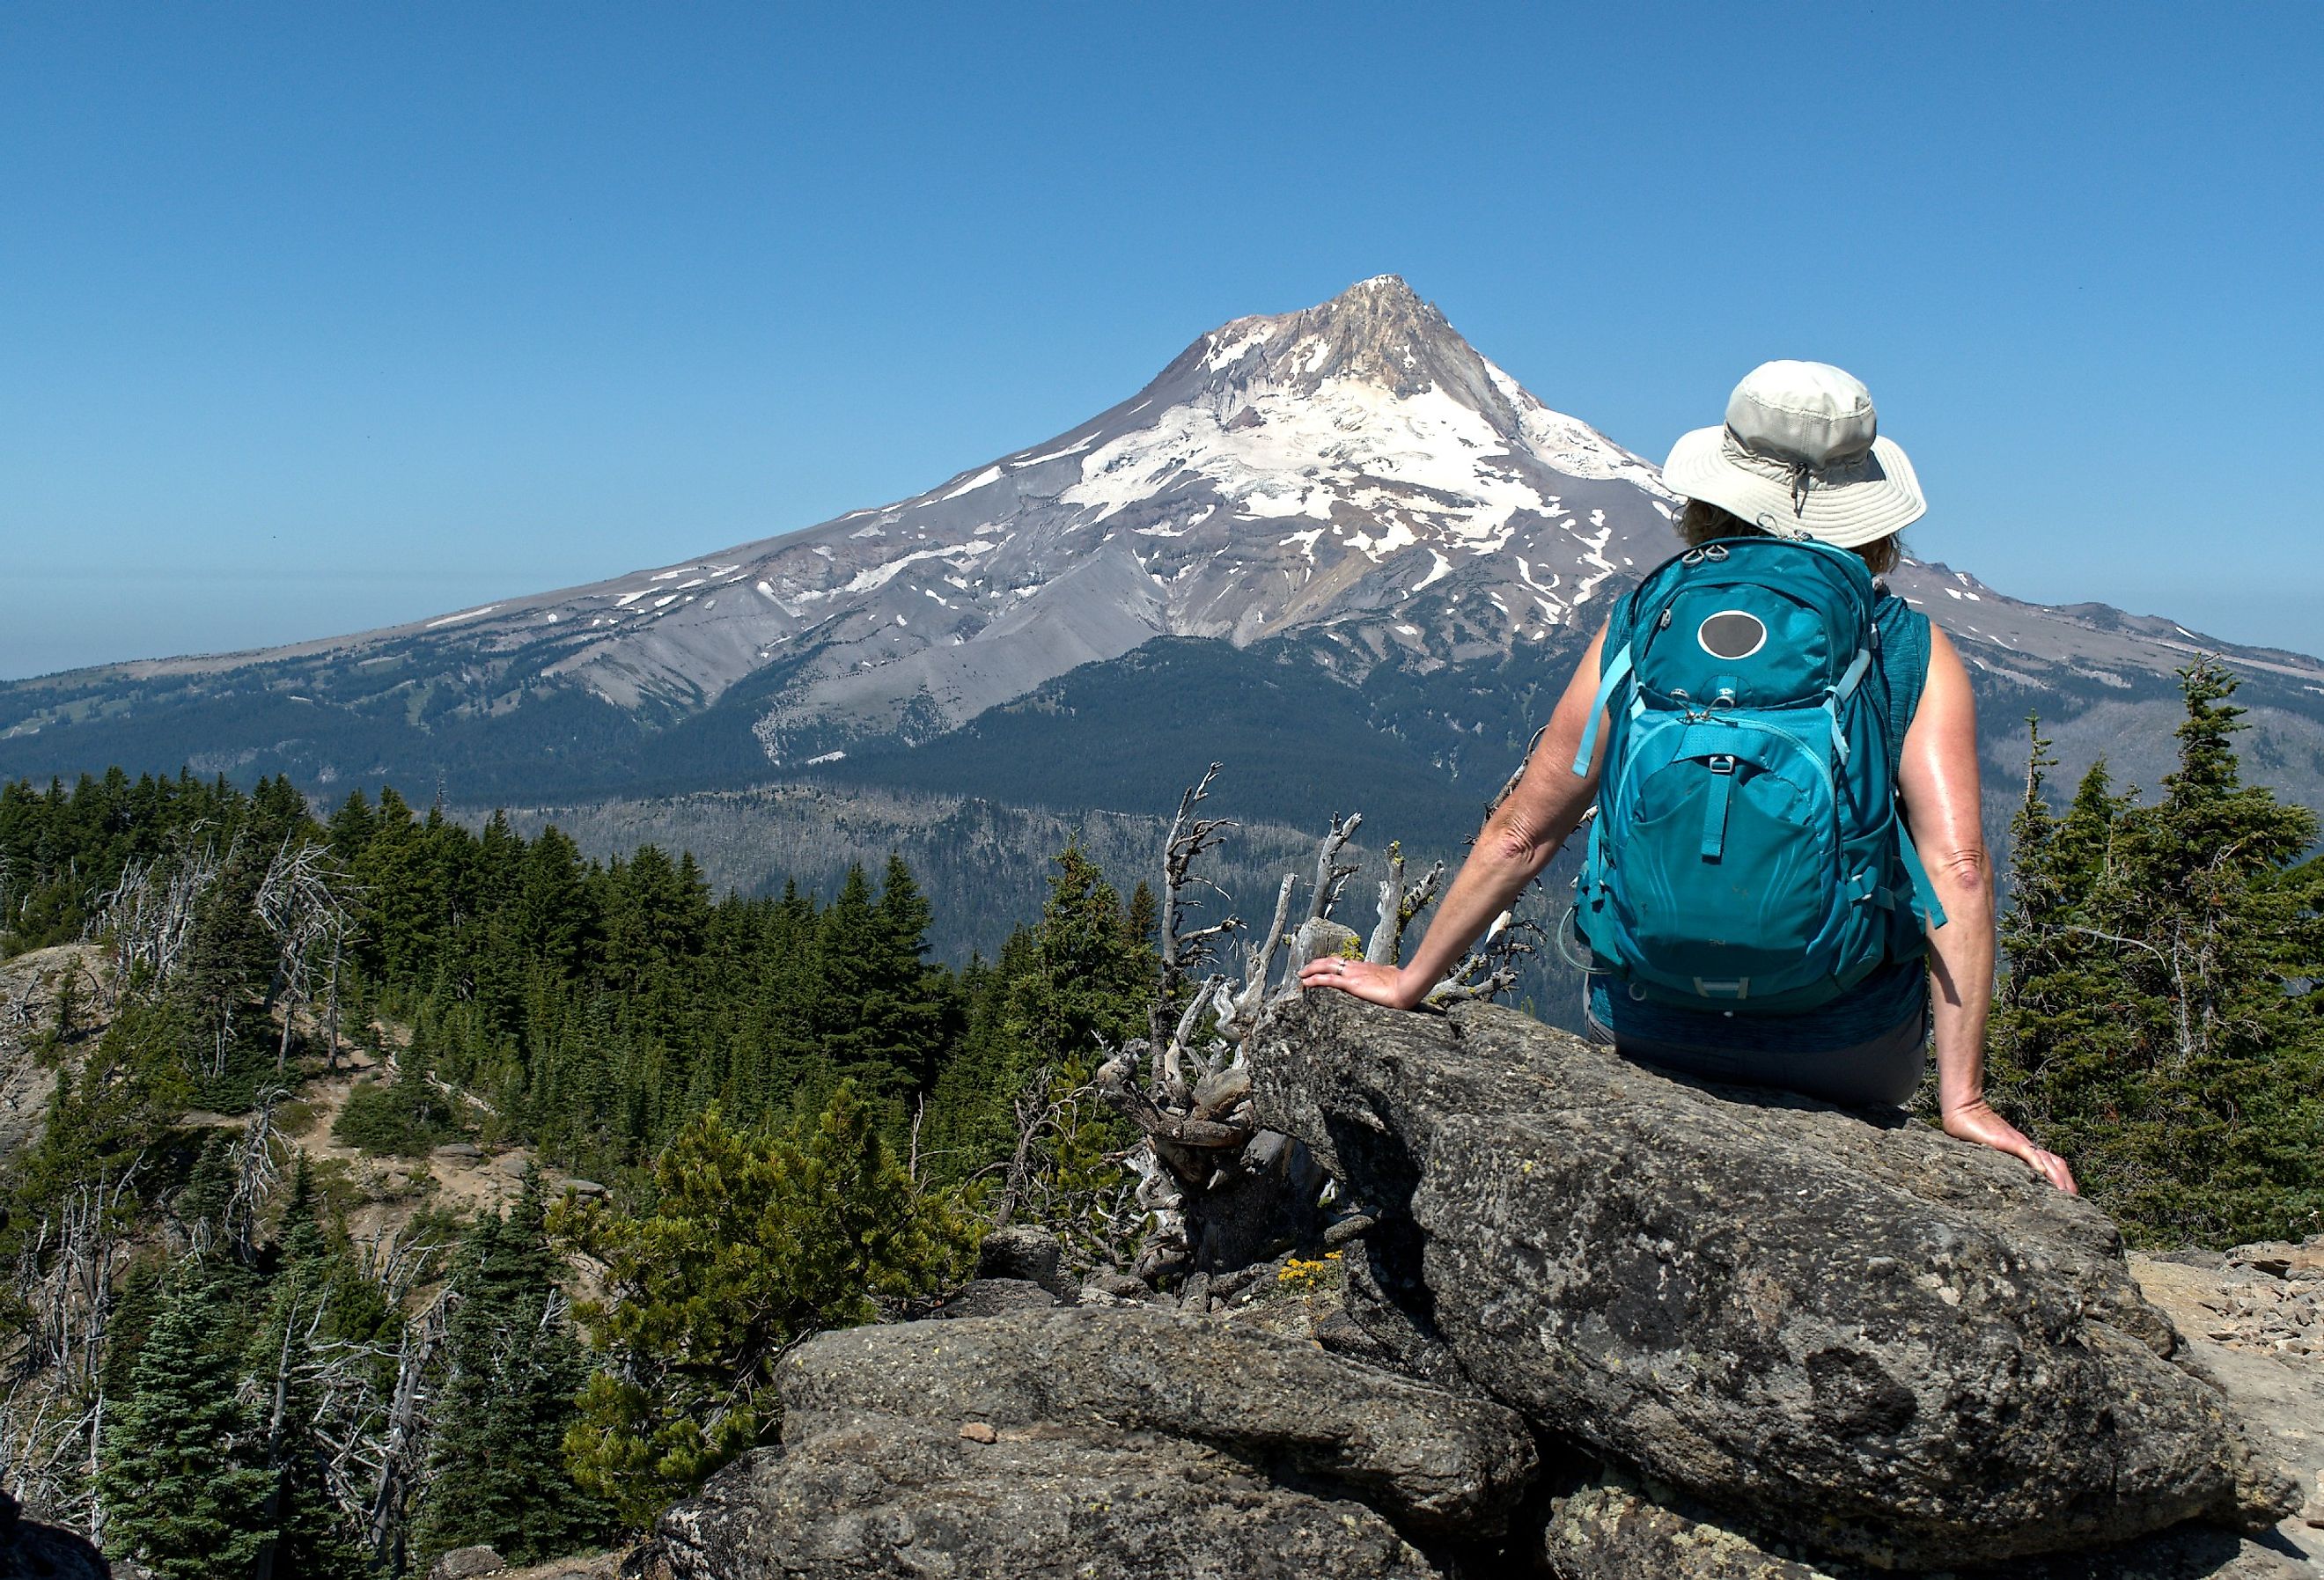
x=1614 y=1528
x=1427 y=1459
x=469 y=1563
x=1099 y=1440
x=876 y=1496
x=1596 y=1323
x=1873 y=1341
x=30 y=1550
x=1030 y=1253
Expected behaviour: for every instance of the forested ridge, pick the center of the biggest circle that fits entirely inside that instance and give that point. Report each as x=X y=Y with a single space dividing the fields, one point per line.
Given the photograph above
x=801 y=1118
x=749 y=1119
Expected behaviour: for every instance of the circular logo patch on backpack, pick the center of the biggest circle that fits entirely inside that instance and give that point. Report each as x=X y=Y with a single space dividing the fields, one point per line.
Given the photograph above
x=1731 y=633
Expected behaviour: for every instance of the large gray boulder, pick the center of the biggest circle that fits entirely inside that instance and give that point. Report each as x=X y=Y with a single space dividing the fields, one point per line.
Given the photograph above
x=469 y=1563
x=867 y=1496
x=1611 y=1528
x=984 y=1298
x=1100 y=1440
x=1425 y=1458
x=1869 y=1339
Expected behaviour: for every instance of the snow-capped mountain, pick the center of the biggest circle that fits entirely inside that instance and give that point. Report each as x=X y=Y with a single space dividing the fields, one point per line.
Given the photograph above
x=1354 y=474
x=1322 y=468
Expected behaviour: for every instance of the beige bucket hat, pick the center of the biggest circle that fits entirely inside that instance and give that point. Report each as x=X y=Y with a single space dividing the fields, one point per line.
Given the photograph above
x=1800 y=454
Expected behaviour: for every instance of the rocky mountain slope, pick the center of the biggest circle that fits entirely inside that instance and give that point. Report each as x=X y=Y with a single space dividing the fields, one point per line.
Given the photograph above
x=1353 y=488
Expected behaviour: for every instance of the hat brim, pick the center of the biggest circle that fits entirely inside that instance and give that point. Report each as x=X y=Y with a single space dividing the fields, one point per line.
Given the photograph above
x=1844 y=514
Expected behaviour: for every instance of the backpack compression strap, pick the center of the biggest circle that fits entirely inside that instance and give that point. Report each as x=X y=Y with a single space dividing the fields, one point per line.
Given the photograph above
x=1925 y=903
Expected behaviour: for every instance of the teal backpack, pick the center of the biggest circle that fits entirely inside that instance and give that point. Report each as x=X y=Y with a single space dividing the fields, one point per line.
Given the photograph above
x=1747 y=853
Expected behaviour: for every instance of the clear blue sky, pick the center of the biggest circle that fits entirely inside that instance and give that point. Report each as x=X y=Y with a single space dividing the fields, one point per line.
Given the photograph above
x=315 y=318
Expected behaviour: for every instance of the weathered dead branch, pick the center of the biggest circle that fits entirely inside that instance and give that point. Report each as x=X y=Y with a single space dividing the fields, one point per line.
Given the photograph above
x=1400 y=906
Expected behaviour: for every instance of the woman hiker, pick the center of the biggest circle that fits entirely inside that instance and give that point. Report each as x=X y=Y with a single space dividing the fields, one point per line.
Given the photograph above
x=1787 y=885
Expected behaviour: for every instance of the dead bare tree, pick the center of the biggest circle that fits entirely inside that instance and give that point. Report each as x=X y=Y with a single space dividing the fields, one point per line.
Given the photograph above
x=1492 y=967
x=17 y=1013
x=1215 y=1191
x=53 y=1420
x=256 y=1159
x=149 y=914
x=1400 y=906
x=1183 y=953
x=303 y=904
x=278 y=1418
x=1330 y=876
x=1092 y=1215
x=398 y=1454
x=368 y=1399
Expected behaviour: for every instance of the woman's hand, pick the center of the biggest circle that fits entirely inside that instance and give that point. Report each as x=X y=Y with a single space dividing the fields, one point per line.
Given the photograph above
x=1974 y=1121
x=1381 y=984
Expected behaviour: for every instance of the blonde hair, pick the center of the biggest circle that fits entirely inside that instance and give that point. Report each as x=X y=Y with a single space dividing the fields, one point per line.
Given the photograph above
x=1699 y=522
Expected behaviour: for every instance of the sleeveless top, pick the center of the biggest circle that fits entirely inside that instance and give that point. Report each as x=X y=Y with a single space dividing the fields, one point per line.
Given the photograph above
x=1892 y=994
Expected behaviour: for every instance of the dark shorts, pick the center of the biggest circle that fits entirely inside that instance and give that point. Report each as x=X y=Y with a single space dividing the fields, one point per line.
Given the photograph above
x=1882 y=1071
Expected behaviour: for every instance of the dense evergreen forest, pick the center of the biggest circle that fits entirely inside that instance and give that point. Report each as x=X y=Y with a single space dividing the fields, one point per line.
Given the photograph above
x=802 y=1120
x=742 y=1120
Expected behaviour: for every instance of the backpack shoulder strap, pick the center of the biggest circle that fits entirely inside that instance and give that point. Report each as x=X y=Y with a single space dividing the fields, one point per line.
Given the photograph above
x=1613 y=668
x=1619 y=621
x=1903 y=633
x=1612 y=672
x=1925 y=903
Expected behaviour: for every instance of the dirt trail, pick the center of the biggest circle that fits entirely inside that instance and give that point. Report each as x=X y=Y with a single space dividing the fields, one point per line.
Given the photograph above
x=390 y=1191
x=461 y=1177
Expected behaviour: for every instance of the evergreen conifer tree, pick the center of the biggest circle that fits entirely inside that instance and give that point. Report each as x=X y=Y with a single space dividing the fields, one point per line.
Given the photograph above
x=352 y=826
x=497 y=1476
x=2160 y=1027
x=182 y=1483
x=913 y=1010
x=754 y=1240
x=2052 y=1040
x=229 y=965
x=1144 y=915
x=1085 y=993
x=301 y=1232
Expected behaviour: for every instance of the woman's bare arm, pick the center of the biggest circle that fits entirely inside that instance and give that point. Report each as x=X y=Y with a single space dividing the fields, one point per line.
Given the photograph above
x=1942 y=810
x=1519 y=840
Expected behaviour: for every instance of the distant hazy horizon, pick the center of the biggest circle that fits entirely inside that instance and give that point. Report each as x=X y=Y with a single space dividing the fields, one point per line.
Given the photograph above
x=323 y=320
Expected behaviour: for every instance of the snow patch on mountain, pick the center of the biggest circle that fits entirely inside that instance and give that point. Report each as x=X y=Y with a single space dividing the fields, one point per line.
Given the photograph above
x=990 y=475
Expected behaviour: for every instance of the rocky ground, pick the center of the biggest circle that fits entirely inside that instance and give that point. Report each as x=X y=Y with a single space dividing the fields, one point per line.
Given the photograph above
x=2250 y=1316
x=483 y=1564
x=462 y=1178
x=29 y=986
x=2255 y=1319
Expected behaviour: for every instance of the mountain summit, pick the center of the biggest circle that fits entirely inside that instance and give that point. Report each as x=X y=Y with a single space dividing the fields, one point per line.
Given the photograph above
x=1354 y=475
x=1322 y=467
